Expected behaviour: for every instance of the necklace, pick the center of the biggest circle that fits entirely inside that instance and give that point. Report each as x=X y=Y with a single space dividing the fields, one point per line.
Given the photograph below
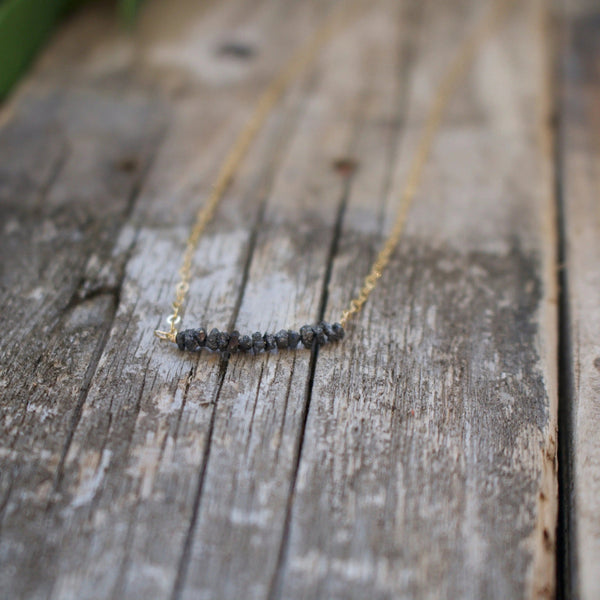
x=321 y=333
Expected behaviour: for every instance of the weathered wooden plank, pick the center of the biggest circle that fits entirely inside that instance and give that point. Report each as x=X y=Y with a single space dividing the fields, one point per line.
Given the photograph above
x=429 y=450
x=580 y=177
x=326 y=120
x=262 y=404
x=162 y=475
x=109 y=455
x=68 y=185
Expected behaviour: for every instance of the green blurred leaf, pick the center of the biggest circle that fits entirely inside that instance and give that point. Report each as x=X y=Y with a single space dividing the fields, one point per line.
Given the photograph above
x=24 y=25
x=128 y=10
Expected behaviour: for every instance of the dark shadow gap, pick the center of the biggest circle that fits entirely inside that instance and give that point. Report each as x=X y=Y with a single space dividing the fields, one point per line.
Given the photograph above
x=281 y=143
x=565 y=530
x=184 y=561
x=183 y=564
x=277 y=580
x=346 y=167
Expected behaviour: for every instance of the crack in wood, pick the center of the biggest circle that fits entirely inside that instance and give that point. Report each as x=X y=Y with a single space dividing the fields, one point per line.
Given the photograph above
x=81 y=296
x=277 y=153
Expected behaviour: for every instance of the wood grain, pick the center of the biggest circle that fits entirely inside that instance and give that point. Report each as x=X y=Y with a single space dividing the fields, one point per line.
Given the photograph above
x=580 y=177
x=403 y=488
x=416 y=459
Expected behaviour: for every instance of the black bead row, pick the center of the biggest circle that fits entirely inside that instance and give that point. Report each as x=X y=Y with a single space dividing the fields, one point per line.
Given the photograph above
x=195 y=340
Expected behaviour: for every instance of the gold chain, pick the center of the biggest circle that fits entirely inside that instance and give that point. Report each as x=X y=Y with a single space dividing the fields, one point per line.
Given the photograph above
x=300 y=61
x=464 y=57
x=269 y=99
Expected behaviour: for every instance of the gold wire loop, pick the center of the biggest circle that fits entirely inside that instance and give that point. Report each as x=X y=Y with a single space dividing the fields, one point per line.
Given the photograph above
x=165 y=335
x=173 y=320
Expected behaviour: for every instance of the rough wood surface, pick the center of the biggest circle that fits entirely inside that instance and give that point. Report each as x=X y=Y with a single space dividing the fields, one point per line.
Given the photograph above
x=580 y=170
x=416 y=459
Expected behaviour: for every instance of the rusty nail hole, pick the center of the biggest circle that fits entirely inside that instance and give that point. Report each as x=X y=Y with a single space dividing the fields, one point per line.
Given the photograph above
x=345 y=166
x=128 y=164
x=237 y=50
x=597 y=362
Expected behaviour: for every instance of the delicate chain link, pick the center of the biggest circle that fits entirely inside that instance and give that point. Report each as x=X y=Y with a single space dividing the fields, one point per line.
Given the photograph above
x=268 y=100
x=464 y=57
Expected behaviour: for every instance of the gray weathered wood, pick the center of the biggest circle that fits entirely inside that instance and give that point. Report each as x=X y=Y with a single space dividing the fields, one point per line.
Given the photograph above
x=580 y=176
x=416 y=459
x=404 y=487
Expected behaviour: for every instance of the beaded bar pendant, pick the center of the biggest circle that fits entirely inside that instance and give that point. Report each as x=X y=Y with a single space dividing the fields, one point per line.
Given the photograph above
x=194 y=340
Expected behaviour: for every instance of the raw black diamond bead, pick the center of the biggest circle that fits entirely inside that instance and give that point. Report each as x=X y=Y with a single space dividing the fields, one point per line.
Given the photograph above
x=257 y=341
x=191 y=341
x=319 y=335
x=307 y=335
x=200 y=336
x=212 y=341
x=180 y=339
x=328 y=330
x=234 y=341
x=185 y=341
x=269 y=339
x=245 y=343
x=338 y=330
x=223 y=341
x=293 y=338
x=281 y=339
